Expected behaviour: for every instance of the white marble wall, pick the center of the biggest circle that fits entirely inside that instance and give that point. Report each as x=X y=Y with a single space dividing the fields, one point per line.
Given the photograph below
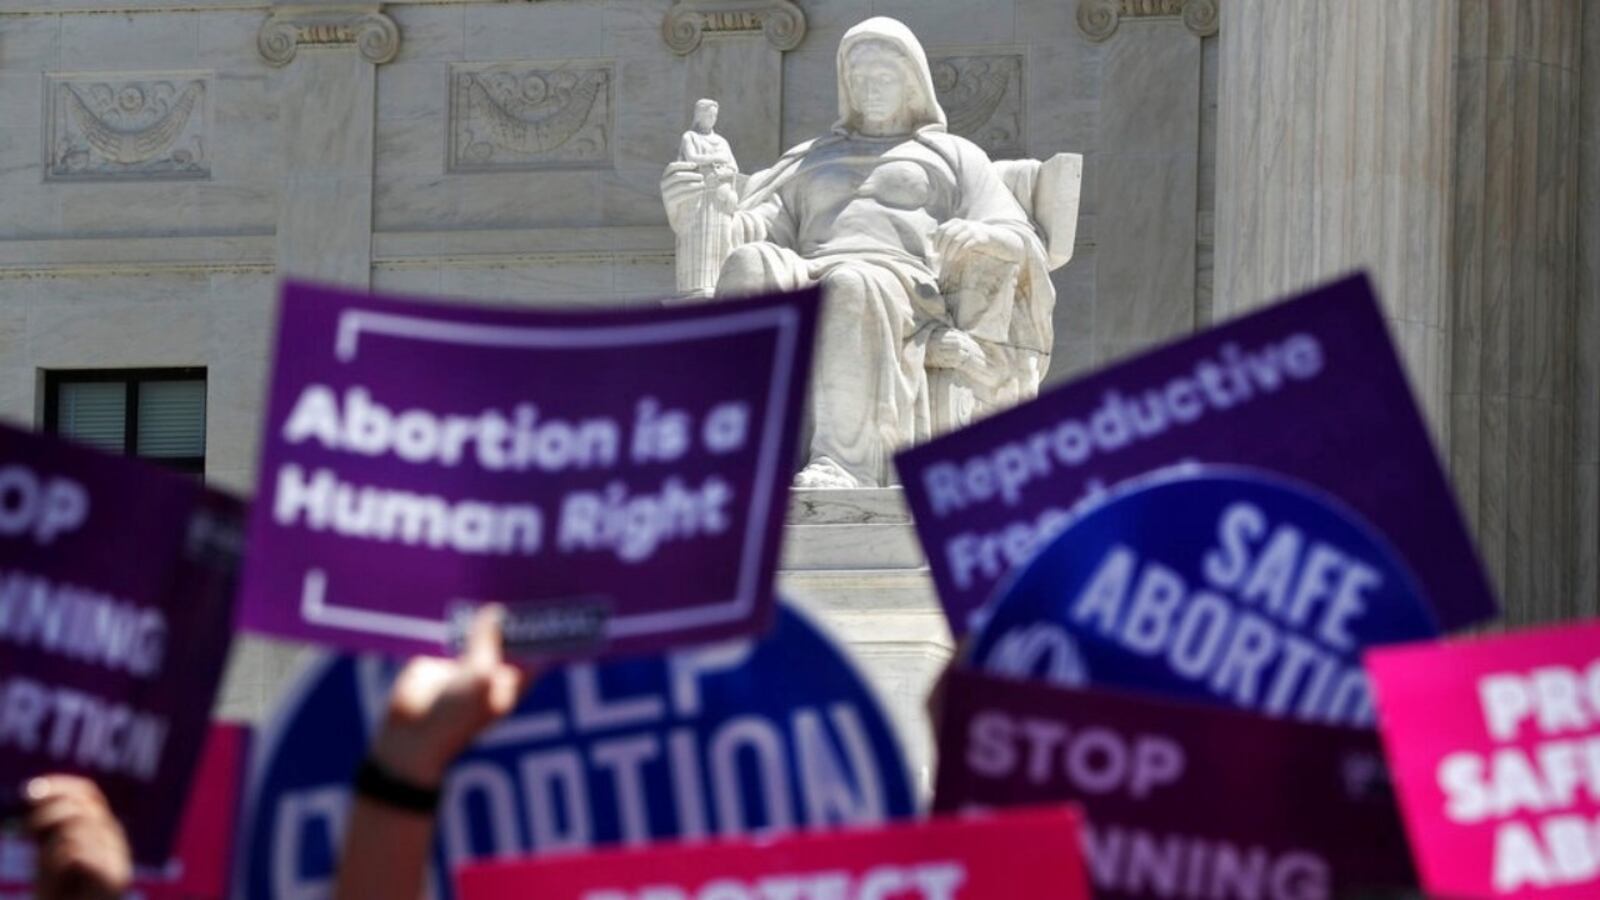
x=418 y=189
x=218 y=47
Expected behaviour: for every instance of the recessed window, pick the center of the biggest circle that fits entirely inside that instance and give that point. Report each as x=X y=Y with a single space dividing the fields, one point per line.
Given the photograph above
x=154 y=414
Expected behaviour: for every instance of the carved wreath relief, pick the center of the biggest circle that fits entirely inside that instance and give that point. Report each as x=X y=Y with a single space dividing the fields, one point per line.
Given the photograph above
x=152 y=127
x=524 y=116
x=982 y=96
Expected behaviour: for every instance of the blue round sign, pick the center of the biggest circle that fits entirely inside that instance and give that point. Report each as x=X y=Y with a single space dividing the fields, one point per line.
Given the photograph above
x=1213 y=584
x=747 y=737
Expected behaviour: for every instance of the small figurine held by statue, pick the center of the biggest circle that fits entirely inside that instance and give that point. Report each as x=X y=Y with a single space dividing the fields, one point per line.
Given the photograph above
x=703 y=213
x=935 y=260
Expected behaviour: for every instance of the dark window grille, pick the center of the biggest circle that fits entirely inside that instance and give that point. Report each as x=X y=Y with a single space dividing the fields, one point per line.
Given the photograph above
x=154 y=414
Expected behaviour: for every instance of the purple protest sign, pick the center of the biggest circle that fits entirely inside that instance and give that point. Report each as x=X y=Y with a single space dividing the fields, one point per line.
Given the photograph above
x=116 y=614
x=617 y=479
x=1179 y=801
x=1310 y=388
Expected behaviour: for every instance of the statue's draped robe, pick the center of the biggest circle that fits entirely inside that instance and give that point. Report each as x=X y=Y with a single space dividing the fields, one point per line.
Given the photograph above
x=850 y=206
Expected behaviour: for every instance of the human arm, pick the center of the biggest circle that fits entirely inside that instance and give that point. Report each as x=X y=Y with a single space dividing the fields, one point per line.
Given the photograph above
x=82 y=849
x=437 y=707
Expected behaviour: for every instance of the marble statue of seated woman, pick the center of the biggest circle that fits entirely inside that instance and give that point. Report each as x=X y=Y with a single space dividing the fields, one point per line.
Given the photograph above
x=928 y=261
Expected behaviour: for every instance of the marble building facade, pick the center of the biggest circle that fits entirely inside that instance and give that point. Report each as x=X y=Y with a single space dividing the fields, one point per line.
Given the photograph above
x=164 y=162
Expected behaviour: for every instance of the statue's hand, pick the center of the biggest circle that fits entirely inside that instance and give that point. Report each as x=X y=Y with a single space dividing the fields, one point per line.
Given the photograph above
x=952 y=348
x=726 y=197
x=958 y=237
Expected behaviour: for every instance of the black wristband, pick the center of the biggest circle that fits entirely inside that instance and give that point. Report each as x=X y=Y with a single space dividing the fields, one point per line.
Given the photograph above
x=375 y=782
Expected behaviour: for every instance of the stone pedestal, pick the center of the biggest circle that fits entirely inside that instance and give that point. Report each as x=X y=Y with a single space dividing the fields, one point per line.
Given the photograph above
x=853 y=563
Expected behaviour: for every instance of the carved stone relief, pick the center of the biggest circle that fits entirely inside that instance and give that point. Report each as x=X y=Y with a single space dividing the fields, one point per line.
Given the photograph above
x=982 y=95
x=152 y=126
x=373 y=34
x=530 y=116
x=688 y=21
x=1098 y=19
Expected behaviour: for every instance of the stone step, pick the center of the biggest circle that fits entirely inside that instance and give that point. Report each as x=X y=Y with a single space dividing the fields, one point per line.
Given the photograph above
x=878 y=546
x=890 y=623
x=859 y=506
x=852 y=562
x=855 y=590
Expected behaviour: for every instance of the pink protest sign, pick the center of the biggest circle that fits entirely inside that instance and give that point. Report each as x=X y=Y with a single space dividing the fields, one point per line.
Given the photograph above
x=1030 y=853
x=1495 y=747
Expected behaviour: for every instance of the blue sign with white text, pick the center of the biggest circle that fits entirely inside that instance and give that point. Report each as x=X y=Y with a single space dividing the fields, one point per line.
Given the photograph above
x=733 y=738
x=1216 y=584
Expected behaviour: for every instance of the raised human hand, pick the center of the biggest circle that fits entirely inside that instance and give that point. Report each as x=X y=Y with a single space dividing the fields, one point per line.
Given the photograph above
x=438 y=706
x=82 y=850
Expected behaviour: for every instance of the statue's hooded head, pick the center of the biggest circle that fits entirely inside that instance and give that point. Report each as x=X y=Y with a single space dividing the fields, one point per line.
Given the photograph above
x=884 y=81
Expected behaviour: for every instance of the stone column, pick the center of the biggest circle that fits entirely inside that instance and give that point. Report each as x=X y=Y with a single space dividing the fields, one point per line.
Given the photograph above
x=327 y=115
x=1148 y=166
x=1514 y=335
x=734 y=51
x=1334 y=153
x=1586 y=371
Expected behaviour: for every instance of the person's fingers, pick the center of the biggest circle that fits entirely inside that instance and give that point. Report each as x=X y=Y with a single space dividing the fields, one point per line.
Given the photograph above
x=483 y=648
x=82 y=850
x=418 y=684
x=502 y=693
x=507 y=687
x=55 y=813
x=38 y=789
x=47 y=786
x=85 y=865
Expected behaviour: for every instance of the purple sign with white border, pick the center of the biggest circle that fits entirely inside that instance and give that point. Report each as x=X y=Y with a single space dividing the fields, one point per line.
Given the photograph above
x=1310 y=388
x=116 y=614
x=617 y=479
x=1179 y=800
